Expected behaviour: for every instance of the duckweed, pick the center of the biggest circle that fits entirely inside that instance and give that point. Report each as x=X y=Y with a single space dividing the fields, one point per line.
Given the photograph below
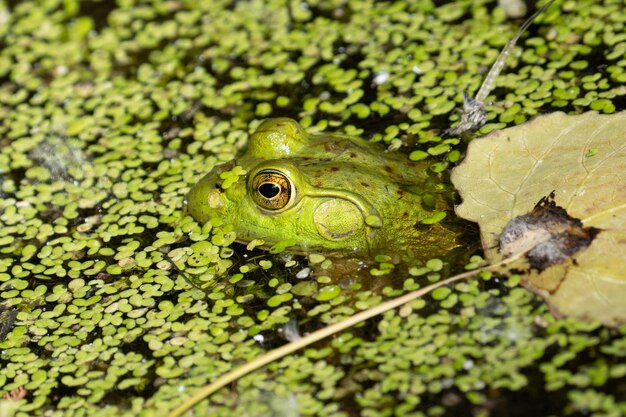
x=110 y=112
x=328 y=293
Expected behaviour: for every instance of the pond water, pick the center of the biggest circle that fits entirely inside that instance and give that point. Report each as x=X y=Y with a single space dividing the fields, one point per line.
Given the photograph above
x=111 y=112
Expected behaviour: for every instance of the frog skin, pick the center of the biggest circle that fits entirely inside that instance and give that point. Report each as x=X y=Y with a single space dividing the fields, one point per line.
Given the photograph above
x=329 y=193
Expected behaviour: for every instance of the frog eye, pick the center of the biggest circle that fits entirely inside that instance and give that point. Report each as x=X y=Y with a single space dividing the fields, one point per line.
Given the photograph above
x=272 y=190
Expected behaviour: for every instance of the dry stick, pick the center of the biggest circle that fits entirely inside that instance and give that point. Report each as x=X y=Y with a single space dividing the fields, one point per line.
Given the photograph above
x=474 y=114
x=323 y=333
x=490 y=80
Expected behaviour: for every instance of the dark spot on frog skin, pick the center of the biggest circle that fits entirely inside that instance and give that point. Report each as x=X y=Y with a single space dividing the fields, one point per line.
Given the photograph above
x=334 y=169
x=364 y=184
x=400 y=192
x=337 y=146
x=387 y=168
x=353 y=155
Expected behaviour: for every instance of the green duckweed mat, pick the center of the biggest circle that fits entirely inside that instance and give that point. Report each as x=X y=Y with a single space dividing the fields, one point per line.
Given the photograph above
x=110 y=111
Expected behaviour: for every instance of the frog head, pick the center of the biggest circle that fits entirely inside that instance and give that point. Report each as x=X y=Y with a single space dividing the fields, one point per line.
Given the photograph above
x=325 y=193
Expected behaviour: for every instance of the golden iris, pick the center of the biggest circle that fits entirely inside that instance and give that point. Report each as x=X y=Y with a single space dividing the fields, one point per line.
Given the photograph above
x=271 y=189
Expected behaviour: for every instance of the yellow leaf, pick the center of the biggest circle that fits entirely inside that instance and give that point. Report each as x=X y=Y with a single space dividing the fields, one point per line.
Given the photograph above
x=582 y=159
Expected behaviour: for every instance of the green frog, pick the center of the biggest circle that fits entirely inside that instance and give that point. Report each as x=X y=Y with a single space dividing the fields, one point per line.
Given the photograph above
x=328 y=193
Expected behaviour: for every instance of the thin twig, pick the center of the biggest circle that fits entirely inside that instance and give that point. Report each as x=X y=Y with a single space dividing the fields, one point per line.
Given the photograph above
x=474 y=114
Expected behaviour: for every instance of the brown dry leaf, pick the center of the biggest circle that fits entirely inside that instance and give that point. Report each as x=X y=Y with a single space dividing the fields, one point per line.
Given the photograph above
x=582 y=159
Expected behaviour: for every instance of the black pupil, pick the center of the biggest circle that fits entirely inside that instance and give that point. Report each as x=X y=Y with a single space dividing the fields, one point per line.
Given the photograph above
x=269 y=190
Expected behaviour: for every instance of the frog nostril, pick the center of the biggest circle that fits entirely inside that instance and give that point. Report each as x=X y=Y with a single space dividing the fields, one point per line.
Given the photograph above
x=269 y=190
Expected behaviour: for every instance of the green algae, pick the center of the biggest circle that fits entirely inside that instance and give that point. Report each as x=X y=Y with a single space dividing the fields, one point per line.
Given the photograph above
x=111 y=112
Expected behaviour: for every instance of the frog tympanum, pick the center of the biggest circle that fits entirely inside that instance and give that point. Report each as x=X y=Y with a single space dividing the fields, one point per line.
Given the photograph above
x=332 y=194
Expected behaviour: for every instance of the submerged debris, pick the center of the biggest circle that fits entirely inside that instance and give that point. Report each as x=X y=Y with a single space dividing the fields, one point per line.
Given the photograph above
x=16 y=394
